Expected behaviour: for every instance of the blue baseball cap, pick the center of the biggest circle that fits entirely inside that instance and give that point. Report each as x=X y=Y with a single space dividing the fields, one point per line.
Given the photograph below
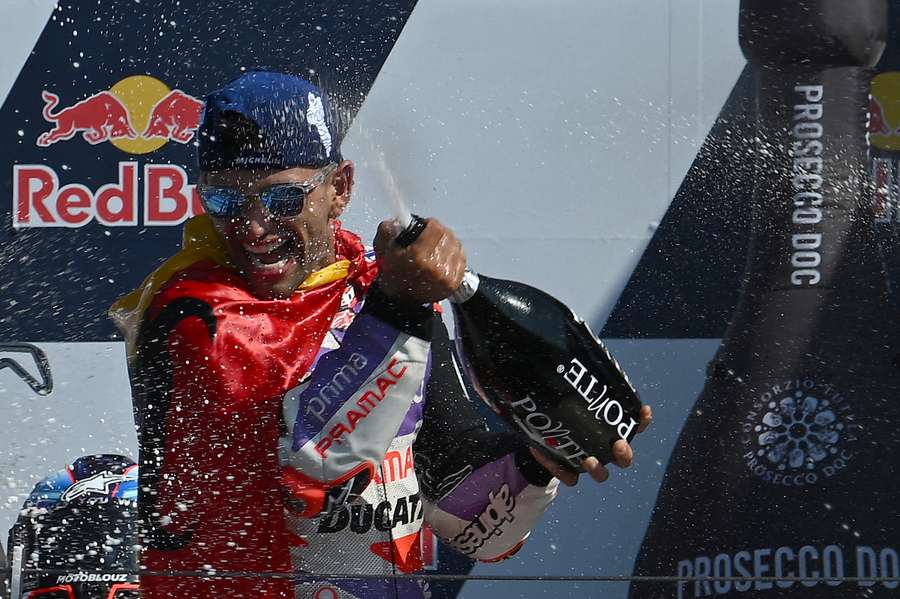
x=265 y=119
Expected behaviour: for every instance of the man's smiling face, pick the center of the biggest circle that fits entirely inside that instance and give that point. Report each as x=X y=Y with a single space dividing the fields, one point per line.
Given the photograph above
x=275 y=255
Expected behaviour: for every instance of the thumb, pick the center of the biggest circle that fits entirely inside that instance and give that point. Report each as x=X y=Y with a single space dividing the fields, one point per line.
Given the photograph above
x=387 y=232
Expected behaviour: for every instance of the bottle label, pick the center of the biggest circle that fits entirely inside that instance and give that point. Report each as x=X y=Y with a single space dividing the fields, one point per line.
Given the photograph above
x=549 y=432
x=600 y=402
x=798 y=433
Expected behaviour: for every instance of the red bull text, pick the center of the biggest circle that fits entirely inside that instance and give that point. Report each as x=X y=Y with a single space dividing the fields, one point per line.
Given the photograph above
x=40 y=201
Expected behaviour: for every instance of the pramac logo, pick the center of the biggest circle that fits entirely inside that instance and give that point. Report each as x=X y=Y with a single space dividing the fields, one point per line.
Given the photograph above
x=798 y=432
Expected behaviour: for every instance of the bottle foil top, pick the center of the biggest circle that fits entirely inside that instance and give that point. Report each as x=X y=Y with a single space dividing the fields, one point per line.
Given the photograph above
x=467 y=288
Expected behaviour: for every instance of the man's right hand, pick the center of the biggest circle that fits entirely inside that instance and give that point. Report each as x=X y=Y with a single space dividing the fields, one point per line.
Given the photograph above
x=622 y=452
x=428 y=270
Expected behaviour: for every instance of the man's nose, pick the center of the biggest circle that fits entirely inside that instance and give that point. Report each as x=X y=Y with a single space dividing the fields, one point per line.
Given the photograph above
x=259 y=223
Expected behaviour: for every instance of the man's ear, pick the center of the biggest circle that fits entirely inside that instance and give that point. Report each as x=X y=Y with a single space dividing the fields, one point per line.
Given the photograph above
x=342 y=180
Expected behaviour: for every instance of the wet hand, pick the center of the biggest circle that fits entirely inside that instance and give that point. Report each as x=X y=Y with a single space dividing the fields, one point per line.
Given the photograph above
x=428 y=270
x=621 y=451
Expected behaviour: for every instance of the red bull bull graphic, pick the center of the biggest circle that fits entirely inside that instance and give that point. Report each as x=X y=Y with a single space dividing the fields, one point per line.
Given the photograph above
x=175 y=117
x=98 y=118
x=160 y=197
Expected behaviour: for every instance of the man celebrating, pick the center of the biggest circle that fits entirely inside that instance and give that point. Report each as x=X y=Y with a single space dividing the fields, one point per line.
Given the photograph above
x=298 y=405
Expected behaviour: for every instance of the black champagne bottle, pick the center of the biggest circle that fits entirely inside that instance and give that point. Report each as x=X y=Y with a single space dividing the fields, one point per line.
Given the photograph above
x=539 y=366
x=786 y=465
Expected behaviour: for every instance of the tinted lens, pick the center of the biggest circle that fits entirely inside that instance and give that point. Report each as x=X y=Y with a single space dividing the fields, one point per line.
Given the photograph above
x=283 y=200
x=222 y=201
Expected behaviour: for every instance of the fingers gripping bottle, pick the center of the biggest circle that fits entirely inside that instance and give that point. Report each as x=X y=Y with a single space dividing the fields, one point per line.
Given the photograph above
x=538 y=365
x=787 y=463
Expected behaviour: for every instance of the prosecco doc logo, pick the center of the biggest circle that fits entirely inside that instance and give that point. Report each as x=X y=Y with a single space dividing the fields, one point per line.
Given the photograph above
x=799 y=432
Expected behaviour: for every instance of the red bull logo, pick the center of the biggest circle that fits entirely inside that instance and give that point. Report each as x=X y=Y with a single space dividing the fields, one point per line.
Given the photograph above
x=138 y=115
x=884 y=136
x=884 y=112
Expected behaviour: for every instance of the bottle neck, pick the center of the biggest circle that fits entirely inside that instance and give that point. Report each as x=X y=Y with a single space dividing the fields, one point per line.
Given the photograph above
x=466 y=289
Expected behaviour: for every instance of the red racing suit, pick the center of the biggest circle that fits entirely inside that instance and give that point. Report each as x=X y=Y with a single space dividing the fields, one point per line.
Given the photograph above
x=312 y=435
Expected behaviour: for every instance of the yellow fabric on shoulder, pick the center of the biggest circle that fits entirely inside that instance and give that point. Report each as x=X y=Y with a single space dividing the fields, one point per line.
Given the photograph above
x=199 y=242
x=323 y=276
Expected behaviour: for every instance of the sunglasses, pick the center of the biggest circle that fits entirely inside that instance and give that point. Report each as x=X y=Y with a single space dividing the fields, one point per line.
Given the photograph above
x=284 y=200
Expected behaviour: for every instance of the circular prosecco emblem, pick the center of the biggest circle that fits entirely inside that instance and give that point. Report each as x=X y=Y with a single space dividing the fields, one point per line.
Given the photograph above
x=799 y=432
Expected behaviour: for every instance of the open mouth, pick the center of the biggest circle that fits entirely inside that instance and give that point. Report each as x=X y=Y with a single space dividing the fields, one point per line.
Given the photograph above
x=272 y=257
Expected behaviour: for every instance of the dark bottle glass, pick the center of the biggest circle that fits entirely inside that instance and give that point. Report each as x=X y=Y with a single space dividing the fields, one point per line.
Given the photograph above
x=786 y=466
x=538 y=365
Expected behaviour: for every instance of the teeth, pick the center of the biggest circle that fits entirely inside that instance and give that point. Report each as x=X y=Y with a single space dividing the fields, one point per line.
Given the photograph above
x=259 y=264
x=264 y=249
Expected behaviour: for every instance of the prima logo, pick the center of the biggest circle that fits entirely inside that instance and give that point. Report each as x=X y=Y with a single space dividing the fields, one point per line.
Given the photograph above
x=798 y=432
x=343 y=378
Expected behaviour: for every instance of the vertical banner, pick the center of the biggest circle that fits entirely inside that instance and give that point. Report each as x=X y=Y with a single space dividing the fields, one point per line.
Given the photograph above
x=780 y=469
